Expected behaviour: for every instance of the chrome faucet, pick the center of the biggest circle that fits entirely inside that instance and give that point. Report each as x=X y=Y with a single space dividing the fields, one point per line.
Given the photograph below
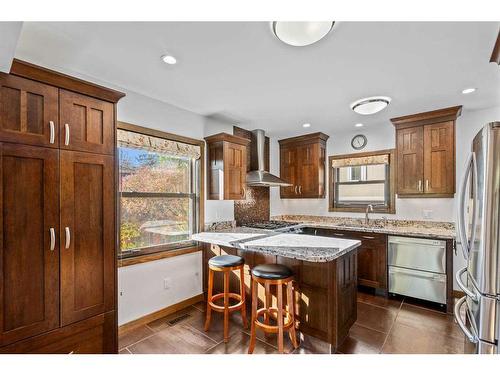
x=369 y=208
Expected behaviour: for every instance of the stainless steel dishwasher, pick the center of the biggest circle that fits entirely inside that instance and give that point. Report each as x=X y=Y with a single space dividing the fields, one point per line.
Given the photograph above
x=417 y=268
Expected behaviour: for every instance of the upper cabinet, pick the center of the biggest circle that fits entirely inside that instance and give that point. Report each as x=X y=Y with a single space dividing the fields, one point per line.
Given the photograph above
x=425 y=146
x=227 y=166
x=302 y=163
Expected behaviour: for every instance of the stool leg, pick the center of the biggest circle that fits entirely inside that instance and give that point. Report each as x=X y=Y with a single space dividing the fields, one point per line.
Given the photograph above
x=242 y=293
x=209 y=298
x=280 y=317
x=291 y=311
x=268 y=305
x=226 y=306
x=254 y=316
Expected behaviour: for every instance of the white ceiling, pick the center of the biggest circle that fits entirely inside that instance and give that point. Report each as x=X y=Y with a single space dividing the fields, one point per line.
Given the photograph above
x=239 y=70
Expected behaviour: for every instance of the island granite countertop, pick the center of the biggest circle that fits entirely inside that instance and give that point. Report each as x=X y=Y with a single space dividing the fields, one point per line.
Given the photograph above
x=297 y=246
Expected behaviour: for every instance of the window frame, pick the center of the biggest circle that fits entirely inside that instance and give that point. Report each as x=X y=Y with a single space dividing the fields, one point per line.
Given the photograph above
x=166 y=250
x=333 y=206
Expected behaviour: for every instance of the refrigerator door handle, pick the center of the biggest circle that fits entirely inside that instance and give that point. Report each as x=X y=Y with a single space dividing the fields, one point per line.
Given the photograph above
x=461 y=230
x=458 y=277
x=472 y=338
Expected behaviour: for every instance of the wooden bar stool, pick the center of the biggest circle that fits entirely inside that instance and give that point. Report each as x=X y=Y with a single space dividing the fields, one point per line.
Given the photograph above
x=279 y=275
x=226 y=264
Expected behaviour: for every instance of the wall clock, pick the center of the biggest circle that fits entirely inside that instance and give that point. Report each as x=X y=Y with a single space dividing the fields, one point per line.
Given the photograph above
x=358 y=142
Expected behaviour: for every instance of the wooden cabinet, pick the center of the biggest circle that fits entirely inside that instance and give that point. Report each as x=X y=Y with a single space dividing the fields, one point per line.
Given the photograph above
x=28 y=112
x=227 y=161
x=425 y=146
x=87 y=235
x=29 y=256
x=57 y=261
x=302 y=163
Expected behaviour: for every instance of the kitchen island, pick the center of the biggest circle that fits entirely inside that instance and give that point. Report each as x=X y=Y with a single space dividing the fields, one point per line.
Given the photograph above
x=325 y=275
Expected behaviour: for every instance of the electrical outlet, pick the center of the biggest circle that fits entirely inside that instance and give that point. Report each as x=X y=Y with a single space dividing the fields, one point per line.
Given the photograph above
x=427 y=214
x=166 y=283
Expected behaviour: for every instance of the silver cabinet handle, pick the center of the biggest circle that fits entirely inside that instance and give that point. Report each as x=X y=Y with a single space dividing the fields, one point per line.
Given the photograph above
x=52 y=132
x=296 y=189
x=426 y=185
x=419 y=185
x=368 y=237
x=300 y=189
x=66 y=134
x=472 y=338
x=458 y=277
x=68 y=237
x=339 y=234
x=52 y=239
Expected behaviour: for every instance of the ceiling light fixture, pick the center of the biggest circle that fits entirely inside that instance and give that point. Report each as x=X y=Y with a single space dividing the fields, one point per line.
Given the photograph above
x=469 y=90
x=169 y=59
x=359 y=125
x=300 y=34
x=371 y=105
x=306 y=125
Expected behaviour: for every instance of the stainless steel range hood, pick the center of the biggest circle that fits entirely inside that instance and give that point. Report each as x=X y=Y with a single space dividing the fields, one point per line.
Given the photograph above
x=261 y=177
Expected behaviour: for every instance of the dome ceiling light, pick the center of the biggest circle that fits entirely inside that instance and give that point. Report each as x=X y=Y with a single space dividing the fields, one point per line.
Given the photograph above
x=300 y=34
x=369 y=106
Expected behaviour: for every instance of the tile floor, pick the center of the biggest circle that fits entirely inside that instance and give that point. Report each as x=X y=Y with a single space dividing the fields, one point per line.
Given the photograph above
x=383 y=326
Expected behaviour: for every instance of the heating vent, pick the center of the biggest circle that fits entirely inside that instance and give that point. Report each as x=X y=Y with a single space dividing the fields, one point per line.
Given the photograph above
x=178 y=319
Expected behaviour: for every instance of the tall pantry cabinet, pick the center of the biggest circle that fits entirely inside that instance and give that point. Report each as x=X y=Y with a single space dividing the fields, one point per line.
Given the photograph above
x=57 y=213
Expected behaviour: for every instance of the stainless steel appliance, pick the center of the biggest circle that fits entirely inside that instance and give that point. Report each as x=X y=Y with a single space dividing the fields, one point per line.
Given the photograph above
x=417 y=268
x=478 y=230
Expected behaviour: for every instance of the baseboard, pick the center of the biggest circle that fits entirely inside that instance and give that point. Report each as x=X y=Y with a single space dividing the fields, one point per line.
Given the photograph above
x=458 y=294
x=160 y=313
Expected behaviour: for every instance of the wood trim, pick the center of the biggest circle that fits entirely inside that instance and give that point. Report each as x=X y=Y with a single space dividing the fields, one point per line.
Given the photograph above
x=457 y=294
x=495 y=54
x=313 y=137
x=38 y=73
x=157 y=256
x=393 y=178
x=225 y=137
x=426 y=195
x=424 y=118
x=160 y=313
x=158 y=133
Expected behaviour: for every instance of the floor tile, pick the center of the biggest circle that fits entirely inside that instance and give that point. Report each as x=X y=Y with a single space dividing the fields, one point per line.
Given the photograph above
x=216 y=330
x=124 y=351
x=362 y=340
x=393 y=303
x=134 y=335
x=164 y=322
x=410 y=340
x=238 y=344
x=374 y=317
x=178 y=339
x=429 y=321
x=202 y=306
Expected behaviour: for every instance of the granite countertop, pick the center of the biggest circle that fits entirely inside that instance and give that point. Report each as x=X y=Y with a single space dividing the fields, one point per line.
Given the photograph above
x=428 y=229
x=289 y=245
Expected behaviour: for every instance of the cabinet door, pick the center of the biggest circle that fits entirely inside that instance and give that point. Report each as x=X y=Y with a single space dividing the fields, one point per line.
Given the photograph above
x=307 y=161
x=87 y=235
x=235 y=167
x=28 y=112
x=29 y=256
x=86 y=124
x=410 y=160
x=288 y=172
x=439 y=158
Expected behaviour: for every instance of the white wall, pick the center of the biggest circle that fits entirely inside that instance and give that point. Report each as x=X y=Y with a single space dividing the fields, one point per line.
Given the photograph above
x=468 y=124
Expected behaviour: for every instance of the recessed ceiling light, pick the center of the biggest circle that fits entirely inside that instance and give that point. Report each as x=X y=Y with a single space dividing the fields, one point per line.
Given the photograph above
x=358 y=125
x=299 y=34
x=371 y=105
x=169 y=59
x=469 y=90
x=306 y=125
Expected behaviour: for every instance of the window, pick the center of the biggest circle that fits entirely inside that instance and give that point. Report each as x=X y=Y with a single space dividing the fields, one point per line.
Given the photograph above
x=159 y=186
x=358 y=180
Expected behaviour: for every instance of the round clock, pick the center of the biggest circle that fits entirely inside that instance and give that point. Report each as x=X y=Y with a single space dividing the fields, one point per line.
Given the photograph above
x=358 y=142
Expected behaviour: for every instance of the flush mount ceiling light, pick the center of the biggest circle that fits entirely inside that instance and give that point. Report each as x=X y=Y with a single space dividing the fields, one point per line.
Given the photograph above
x=299 y=34
x=359 y=125
x=169 y=59
x=306 y=125
x=369 y=106
x=468 y=91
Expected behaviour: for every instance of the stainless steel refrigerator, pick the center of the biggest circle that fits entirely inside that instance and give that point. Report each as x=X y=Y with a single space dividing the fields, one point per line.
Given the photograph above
x=478 y=231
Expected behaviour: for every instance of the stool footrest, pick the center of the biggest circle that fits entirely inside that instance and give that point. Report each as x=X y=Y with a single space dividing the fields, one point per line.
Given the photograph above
x=219 y=296
x=273 y=313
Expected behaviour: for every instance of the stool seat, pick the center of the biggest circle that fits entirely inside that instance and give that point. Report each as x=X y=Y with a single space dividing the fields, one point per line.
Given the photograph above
x=272 y=271
x=226 y=261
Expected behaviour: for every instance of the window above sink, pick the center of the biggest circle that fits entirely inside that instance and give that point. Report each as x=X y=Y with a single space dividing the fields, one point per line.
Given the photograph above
x=362 y=179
